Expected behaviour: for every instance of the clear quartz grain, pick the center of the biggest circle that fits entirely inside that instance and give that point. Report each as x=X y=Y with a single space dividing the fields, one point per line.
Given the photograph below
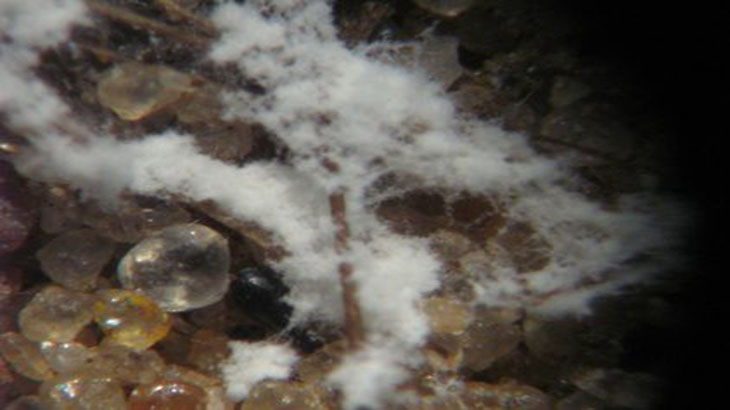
x=182 y=267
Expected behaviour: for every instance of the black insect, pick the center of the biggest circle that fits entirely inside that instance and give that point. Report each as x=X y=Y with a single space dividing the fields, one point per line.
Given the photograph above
x=259 y=291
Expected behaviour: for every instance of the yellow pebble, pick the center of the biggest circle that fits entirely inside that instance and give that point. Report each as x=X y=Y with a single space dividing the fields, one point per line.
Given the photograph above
x=130 y=318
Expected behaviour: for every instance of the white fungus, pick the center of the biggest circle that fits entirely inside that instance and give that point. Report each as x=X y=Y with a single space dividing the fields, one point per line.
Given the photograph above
x=327 y=102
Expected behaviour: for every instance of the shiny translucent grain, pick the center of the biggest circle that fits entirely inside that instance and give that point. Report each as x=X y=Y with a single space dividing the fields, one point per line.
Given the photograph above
x=66 y=357
x=182 y=267
x=125 y=364
x=168 y=395
x=130 y=318
x=84 y=392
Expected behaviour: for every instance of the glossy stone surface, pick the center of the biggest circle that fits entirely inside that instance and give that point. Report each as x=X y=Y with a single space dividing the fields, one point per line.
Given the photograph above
x=124 y=364
x=65 y=357
x=84 y=392
x=182 y=267
x=167 y=395
x=75 y=259
x=55 y=314
x=213 y=386
x=24 y=356
x=130 y=318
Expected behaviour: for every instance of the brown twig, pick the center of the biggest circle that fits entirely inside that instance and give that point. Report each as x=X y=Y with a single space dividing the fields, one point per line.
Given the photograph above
x=178 y=12
x=133 y=19
x=353 y=318
x=342 y=233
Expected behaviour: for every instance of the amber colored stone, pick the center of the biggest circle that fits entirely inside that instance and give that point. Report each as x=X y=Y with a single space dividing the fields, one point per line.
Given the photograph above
x=213 y=386
x=124 y=364
x=168 y=395
x=130 y=318
x=446 y=315
x=283 y=396
x=24 y=356
x=65 y=357
x=134 y=91
x=55 y=314
x=84 y=392
x=75 y=259
x=182 y=267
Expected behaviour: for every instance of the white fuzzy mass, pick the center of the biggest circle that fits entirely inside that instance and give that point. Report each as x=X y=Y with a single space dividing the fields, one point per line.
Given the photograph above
x=251 y=363
x=327 y=103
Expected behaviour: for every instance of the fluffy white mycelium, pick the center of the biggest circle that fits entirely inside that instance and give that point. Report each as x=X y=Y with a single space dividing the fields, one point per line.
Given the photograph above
x=328 y=103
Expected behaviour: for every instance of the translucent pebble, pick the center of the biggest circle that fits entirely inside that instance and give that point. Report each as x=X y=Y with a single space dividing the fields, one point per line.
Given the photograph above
x=130 y=318
x=283 y=396
x=24 y=356
x=134 y=91
x=167 y=395
x=213 y=386
x=124 y=364
x=65 y=357
x=84 y=392
x=182 y=267
x=55 y=314
x=134 y=218
x=75 y=259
